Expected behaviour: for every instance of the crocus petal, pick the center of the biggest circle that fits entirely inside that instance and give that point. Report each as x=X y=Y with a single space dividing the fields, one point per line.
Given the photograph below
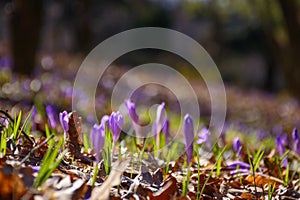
x=154 y=129
x=97 y=136
x=285 y=140
x=297 y=146
x=160 y=117
x=237 y=146
x=166 y=130
x=280 y=149
x=239 y=164
x=240 y=171
x=51 y=115
x=203 y=136
x=4 y=122
x=105 y=120
x=188 y=133
x=296 y=140
x=116 y=121
x=279 y=146
x=64 y=120
x=295 y=134
x=132 y=111
x=35 y=169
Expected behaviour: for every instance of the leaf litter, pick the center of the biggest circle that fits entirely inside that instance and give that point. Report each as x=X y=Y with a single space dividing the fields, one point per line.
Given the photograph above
x=131 y=178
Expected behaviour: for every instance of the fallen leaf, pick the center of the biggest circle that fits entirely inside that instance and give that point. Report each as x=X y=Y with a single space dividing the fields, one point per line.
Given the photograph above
x=260 y=180
x=114 y=179
x=11 y=186
x=168 y=190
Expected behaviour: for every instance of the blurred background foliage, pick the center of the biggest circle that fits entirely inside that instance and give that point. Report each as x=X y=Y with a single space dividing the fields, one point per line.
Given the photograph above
x=254 y=43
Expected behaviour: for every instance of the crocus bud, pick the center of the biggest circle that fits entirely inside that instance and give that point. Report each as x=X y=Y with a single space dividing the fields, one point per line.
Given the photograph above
x=279 y=145
x=188 y=133
x=4 y=122
x=159 y=122
x=64 y=121
x=51 y=113
x=132 y=111
x=280 y=149
x=237 y=146
x=239 y=164
x=115 y=123
x=296 y=140
x=160 y=117
x=203 y=136
x=97 y=136
x=166 y=130
x=105 y=120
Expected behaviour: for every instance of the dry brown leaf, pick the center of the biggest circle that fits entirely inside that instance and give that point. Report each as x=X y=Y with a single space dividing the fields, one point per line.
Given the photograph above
x=114 y=179
x=247 y=196
x=11 y=186
x=73 y=141
x=260 y=180
x=168 y=190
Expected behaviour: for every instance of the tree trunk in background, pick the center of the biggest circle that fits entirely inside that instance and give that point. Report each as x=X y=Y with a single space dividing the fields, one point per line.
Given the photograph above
x=270 y=48
x=291 y=67
x=84 y=25
x=25 y=34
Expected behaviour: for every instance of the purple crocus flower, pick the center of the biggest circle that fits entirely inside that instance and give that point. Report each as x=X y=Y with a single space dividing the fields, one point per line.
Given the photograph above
x=285 y=140
x=237 y=146
x=105 y=120
x=280 y=149
x=188 y=133
x=132 y=111
x=159 y=122
x=239 y=164
x=97 y=136
x=64 y=121
x=160 y=117
x=279 y=145
x=4 y=122
x=297 y=146
x=51 y=115
x=203 y=136
x=295 y=134
x=296 y=140
x=116 y=121
x=35 y=169
x=166 y=130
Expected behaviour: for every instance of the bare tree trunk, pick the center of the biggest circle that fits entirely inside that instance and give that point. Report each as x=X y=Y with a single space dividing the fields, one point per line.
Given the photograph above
x=292 y=52
x=25 y=34
x=84 y=34
x=270 y=48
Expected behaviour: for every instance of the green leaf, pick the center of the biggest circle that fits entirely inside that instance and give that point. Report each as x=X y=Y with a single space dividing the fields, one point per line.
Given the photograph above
x=27 y=121
x=3 y=143
x=50 y=162
x=286 y=180
x=17 y=125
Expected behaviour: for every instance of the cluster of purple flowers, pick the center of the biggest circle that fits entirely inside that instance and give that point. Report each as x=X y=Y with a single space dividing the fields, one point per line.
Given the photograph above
x=237 y=146
x=115 y=121
x=282 y=143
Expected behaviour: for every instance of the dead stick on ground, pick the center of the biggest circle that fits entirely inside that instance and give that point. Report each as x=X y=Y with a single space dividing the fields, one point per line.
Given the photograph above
x=35 y=148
